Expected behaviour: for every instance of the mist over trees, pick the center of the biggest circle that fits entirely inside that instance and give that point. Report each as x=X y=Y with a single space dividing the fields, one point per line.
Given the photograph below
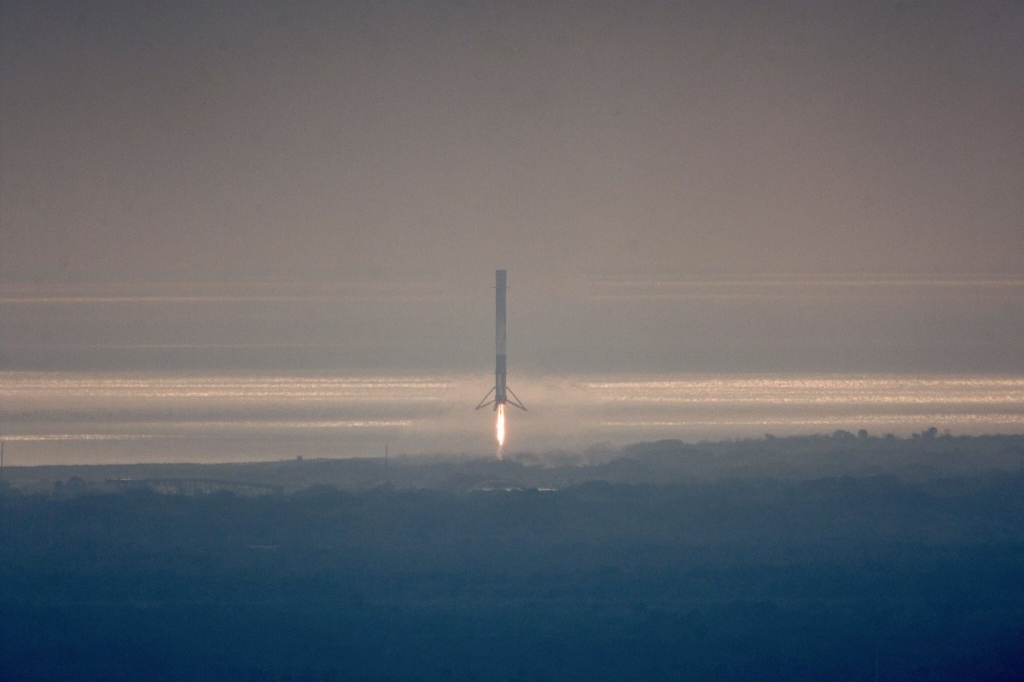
x=924 y=456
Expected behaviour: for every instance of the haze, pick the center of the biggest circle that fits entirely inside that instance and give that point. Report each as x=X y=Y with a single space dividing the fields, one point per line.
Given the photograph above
x=765 y=307
x=707 y=186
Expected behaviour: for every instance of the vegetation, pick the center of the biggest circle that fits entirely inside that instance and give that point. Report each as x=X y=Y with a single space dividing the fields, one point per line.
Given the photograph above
x=847 y=578
x=925 y=456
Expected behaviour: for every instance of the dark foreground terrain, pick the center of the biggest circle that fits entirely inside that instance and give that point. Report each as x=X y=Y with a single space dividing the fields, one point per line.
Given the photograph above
x=847 y=577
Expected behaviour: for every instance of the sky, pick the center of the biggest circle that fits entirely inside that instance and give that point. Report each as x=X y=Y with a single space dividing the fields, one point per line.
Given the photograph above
x=672 y=186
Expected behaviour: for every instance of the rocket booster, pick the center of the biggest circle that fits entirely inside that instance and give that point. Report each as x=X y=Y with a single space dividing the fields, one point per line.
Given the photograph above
x=501 y=391
x=500 y=367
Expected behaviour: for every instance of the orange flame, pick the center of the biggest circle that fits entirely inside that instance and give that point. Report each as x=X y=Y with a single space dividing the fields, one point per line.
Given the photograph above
x=501 y=425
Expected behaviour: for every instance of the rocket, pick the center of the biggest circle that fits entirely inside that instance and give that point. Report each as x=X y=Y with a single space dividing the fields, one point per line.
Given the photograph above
x=501 y=391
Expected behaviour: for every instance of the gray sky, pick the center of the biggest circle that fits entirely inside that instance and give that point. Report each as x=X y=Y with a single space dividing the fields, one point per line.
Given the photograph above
x=589 y=148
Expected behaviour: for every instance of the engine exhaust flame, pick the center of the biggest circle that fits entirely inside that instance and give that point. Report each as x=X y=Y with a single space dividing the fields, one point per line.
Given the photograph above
x=501 y=426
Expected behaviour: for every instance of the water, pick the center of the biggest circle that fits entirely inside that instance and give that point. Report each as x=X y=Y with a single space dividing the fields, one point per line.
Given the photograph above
x=63 y=417
x=135 y=372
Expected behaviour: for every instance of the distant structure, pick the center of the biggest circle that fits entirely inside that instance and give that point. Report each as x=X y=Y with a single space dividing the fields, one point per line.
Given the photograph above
x=501 y=391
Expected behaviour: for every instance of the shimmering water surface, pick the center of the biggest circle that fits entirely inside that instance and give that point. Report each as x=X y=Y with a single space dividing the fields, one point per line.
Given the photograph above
x=117 y=417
